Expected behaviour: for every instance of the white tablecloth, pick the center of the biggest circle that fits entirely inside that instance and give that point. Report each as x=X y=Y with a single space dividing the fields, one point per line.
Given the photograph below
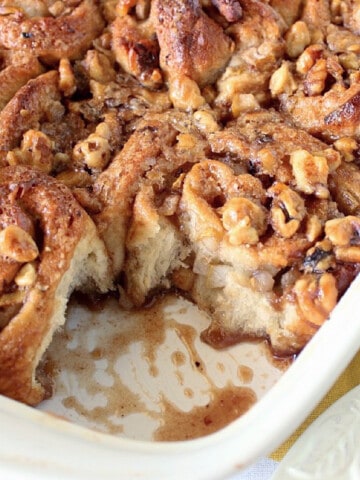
x=261 y=470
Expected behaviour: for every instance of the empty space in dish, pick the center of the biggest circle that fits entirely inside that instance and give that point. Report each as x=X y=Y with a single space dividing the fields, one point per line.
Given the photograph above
x=147 y=375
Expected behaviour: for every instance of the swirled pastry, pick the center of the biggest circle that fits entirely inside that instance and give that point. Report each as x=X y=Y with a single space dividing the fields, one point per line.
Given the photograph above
x=48 y=247
x=254 y=250
x=48 y=30
x=17 y=68
x=136 y=233
x=37 y=100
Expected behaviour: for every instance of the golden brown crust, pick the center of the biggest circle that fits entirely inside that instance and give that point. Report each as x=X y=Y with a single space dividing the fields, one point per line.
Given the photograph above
x=34 y=202
x=35 y=101
x=17 y=68
x=50 y=38
x=259 y=45
x=136 y=50
x=230 y=9
x=186 y=35
x=333 y=115
x=147 y=154
x=189 y=57
x=117 y=186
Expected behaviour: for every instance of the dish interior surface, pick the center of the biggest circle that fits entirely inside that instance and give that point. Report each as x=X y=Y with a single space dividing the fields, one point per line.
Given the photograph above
x=35 y=445
x=147 y=375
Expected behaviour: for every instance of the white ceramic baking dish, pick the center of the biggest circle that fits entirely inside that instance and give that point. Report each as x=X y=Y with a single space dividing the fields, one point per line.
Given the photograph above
x=37 y=445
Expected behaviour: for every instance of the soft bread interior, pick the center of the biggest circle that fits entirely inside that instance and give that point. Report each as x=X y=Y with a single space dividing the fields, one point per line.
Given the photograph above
x=88 y=271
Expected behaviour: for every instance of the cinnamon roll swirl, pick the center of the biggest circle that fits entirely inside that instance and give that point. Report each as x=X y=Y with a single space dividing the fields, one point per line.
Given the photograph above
x=50 y=31
x=48 y=247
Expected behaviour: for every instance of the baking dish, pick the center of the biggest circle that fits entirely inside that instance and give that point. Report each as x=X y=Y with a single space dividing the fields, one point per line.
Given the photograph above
x=38 y=445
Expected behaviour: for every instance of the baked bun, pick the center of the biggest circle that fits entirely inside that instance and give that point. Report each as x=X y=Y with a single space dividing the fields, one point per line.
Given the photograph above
x=139 y=201
x=48 y=247
x=48 y=32
x=260 y=252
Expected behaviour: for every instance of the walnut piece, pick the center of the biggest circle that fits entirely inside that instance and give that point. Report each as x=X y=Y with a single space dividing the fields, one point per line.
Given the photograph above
x=17 y=244
x=244 y=220
x=310 y=172
x=316 y=296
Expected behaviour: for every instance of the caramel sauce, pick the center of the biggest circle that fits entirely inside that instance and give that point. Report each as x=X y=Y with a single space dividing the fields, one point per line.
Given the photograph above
x=178 y=358
x=219 y=339
x=225 y=406
x=245 y=373
x=99 y=376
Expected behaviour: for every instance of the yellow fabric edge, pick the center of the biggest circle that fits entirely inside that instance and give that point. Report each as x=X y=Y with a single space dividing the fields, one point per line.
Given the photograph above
x=349 y=379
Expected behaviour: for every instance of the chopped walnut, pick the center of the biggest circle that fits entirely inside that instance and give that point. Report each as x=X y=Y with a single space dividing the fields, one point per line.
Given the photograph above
x=243 y=102
x=308 y=58
x=136 y=50
x=268 y=161
x=99 y=67
x=315 y=78
x=344 y=234
x=57 y=8
x=244 y=221
x=211 y=188
x=287 y=211
x=26 y=277
x=123 y=7
x=336 y=10
x=333 y=158
x=282 y=81
x=343 y=231
x=349 y=60
x=310 y=172
x=185 y=94
x=205 y=121
x=36 y=150
x=346 y=146
x=316 y=296
x=185 y=141
x=17 y=244
x=319 y=258
x=95 y=151
x=313 y=228
x=349 y=254
x=67 y=82
x=297 y=38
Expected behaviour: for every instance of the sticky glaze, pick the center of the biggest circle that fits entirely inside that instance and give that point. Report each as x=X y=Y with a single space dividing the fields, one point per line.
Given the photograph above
x=114 y=378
